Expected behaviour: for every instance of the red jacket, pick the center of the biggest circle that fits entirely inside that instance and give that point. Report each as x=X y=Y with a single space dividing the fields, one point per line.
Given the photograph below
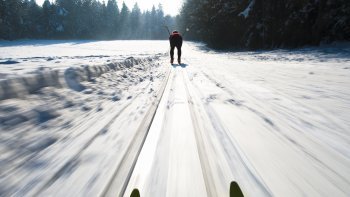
x=175 y=39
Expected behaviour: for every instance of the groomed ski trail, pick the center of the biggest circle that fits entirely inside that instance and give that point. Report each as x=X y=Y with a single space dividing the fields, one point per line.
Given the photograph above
x=276 y=127
x=206 y=134
x=170 y=151
x=182 y=155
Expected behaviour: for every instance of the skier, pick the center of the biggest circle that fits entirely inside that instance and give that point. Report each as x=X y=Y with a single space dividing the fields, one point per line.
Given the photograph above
x=175 y=41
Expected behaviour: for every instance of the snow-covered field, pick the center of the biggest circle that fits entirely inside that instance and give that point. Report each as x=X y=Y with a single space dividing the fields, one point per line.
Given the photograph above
x=29 y=56
x=274 y=121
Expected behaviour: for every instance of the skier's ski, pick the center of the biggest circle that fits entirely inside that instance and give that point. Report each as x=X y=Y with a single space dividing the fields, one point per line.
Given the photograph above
x=135 y=193
x=235 y=190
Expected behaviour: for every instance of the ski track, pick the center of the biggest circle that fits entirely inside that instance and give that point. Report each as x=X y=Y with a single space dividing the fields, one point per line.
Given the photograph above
x=79 y=142
x=276 y=128
x=118 y=183
x=269 y=148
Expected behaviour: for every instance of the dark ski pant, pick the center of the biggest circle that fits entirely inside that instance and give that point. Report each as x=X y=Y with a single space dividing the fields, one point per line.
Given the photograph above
x=178 y=51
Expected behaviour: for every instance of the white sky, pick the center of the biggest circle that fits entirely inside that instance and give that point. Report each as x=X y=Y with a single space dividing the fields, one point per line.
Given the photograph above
x=171 y=7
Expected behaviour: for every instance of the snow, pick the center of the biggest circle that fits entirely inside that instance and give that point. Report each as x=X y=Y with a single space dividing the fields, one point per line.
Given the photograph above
x=245 y=13
x=274 y=121
x=30 y=56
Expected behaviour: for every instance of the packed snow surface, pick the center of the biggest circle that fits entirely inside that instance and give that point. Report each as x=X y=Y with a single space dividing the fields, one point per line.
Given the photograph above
x=276 y=122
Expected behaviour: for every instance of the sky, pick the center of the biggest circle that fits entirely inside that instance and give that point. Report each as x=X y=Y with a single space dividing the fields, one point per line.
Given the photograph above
x=171 y=7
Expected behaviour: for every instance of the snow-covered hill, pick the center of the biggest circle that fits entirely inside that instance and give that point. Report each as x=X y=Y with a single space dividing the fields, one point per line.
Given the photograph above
x=274 y=121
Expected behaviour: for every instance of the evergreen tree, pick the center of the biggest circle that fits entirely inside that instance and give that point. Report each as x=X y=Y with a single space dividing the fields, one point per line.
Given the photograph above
x=159 y=24
x=124 y=21
x=135 y=21
x=98 y=22
x=11 y=19
x=146 y=25
x=112 y=18
x=266 y=23
x=68 y=11
x=153 y=22
x=79 y=19
x=3 y=25
x=45 y=19
x=31 y=19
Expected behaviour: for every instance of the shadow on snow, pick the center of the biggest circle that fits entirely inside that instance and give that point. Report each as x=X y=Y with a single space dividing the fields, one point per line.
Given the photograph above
x=179 y=65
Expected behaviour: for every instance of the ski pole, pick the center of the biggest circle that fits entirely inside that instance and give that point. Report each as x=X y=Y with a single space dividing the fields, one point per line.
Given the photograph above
x=167 y=28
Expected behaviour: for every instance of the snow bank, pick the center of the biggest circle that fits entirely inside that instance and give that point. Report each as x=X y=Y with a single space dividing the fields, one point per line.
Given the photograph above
x=245 y=13
x=72 y=77
x=23 y=56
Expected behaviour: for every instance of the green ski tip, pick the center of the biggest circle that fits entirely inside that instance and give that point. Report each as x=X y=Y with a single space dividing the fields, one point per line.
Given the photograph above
x=235 y=190
x=135 y=193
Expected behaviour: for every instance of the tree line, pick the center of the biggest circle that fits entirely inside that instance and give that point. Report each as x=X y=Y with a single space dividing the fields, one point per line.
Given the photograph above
x=266 y=23
x=80 y=19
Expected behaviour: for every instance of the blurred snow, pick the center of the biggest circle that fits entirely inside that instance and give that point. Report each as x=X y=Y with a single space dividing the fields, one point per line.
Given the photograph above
x=277 y=121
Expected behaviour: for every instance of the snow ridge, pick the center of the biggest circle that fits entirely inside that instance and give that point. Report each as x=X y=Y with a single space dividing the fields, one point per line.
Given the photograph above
x=72 y=77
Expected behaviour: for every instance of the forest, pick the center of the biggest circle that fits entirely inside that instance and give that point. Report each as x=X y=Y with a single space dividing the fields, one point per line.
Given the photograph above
x=80 y=19
x=242 y=24
x=257 y=24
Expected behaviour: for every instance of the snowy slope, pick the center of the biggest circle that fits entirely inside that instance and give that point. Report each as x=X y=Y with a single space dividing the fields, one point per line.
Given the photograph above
x=274 y=121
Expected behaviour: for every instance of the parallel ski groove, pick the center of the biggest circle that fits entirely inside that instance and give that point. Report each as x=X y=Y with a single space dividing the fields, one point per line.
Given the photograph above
x=207 y=173
x=284 y=136
x=220 y=129
x=144 y=127
x=80 y=152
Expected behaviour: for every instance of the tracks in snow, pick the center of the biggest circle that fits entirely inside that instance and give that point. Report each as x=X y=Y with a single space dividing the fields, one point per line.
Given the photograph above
x=191 y=142
x=169 y=164
x=183 y=155
x=100 y=153
x=121 y=176
x=199 y=142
